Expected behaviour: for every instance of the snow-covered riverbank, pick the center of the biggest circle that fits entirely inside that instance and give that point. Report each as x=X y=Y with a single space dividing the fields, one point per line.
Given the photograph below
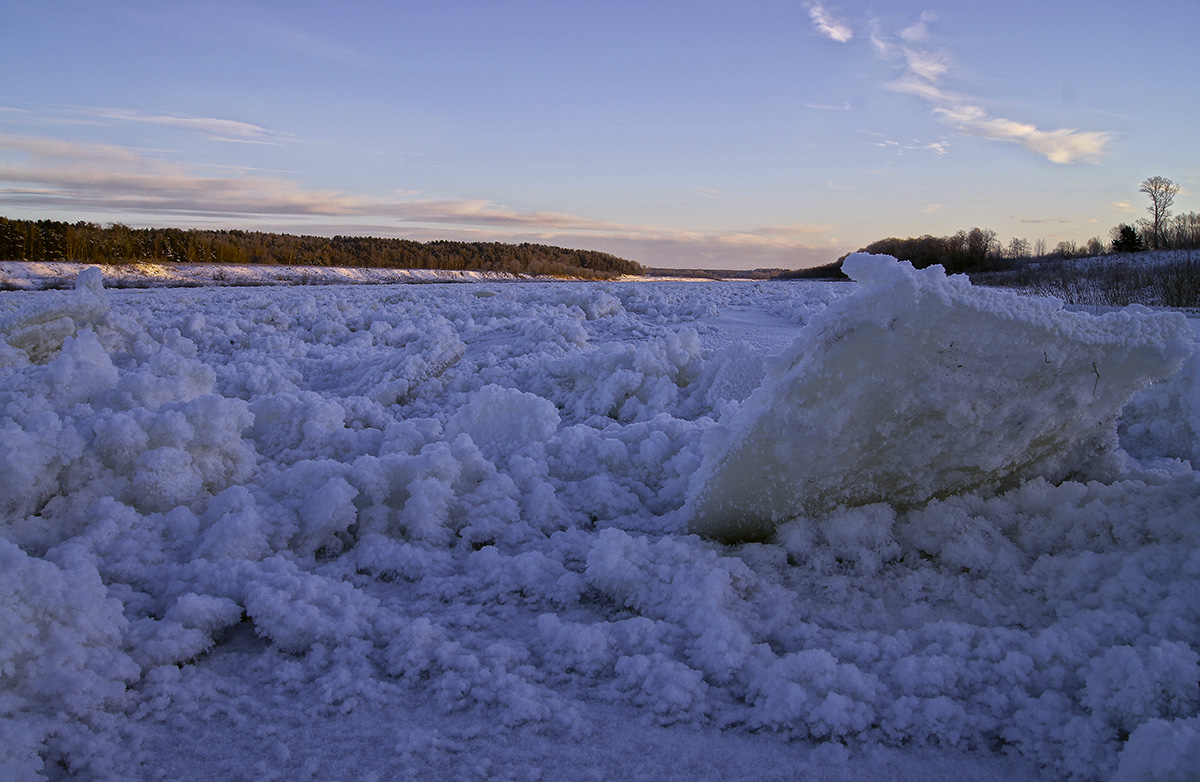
x=21 y=275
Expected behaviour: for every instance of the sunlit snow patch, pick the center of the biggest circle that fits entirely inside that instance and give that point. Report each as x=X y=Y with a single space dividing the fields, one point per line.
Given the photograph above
x=919 y=385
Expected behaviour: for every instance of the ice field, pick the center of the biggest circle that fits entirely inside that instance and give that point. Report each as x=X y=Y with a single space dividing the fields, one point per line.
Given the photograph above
x=900 y=528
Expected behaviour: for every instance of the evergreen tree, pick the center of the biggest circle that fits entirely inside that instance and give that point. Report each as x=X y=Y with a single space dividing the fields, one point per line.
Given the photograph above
x=1126 y=239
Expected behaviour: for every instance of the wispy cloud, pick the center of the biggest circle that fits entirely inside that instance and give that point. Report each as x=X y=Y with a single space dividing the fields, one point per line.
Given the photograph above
x=89 y=175
x=937 y=148
x=1046 y=220
x=1065 y=145
x=210 y=127
x=287 y=37
x=929 y=66
x=790 y=233
x=827 y=25
x=246 y=24
x=918 y=31
x=923 y=68
x=213 y=128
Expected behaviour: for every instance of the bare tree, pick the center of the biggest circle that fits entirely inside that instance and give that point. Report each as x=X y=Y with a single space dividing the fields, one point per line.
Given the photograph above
x=1162 y=194
x=1018 y=248
x=980 y=244
x=1185 y=231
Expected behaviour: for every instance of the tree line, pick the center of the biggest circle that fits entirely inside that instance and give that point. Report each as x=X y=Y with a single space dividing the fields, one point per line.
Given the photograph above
x=979 y=249
x=51 y=240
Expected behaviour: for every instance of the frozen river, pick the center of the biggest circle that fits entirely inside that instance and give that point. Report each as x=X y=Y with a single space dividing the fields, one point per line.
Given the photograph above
x=448 y=532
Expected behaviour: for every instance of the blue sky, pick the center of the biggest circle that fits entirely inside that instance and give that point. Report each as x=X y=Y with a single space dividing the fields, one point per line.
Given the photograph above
x=720 y=134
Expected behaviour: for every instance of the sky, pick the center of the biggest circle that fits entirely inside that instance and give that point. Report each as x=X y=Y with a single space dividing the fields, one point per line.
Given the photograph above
x=678 y=134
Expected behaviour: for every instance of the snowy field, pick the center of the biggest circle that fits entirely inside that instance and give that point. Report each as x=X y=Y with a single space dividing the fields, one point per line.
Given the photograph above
x=21 y=275
x=901 y=528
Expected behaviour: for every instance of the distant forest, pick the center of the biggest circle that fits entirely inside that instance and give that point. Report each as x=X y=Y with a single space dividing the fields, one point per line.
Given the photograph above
x=50 y=240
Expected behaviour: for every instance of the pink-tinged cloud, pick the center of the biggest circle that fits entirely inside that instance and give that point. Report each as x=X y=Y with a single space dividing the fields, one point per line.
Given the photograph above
x=42 y=172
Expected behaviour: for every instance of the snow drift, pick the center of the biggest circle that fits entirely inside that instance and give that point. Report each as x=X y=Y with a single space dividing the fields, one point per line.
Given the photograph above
x=454 y=519
x=921 y=386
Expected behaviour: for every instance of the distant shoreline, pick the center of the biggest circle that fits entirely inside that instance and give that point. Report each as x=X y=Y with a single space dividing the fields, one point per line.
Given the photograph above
x=53 y=241
x=52 y=275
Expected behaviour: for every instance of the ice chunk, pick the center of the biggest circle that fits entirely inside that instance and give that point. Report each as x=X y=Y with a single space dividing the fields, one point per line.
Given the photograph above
x=918 y=386
x=90 y=281
x=40 y=333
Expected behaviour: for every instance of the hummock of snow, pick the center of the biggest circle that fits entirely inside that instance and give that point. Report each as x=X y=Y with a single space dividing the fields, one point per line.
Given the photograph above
x=441 y=532
x=921 y=386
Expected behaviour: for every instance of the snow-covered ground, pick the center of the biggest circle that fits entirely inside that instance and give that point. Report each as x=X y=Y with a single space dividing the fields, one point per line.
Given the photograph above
x=449 y=532
x=21 y=275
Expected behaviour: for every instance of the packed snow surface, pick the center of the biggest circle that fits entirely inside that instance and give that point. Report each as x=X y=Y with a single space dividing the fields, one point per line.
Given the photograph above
x=26 y=275
x=448 y=532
